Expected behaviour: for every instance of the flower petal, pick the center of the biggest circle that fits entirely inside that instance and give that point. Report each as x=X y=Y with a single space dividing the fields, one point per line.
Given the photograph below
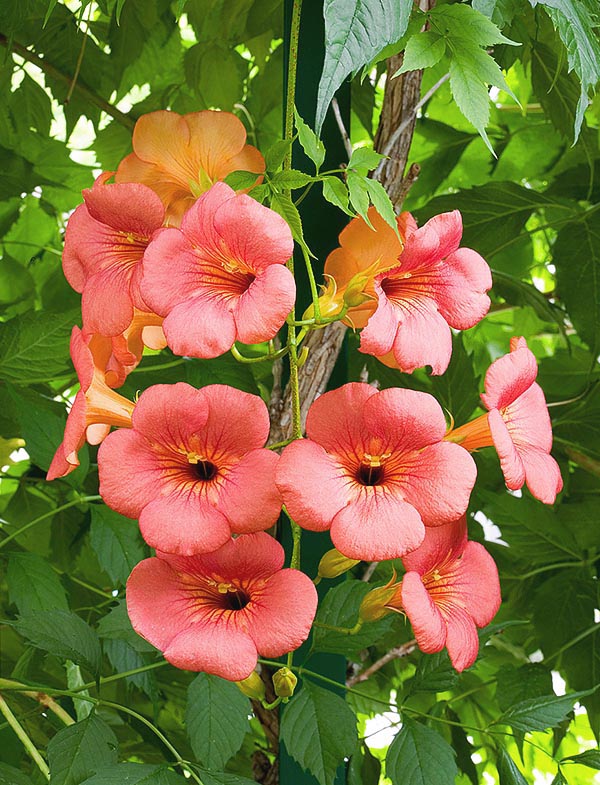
x=335 y=419
x=162 y=138
x=461 y=289
x=438 y=481
x=129 y=472
x=426 y=620
x=542 y=475
x=170 y=270
x=248 y=497
x=237 y=422
x=462 y=640
x=248 y=557
x=182 y=522
x=377 y=525
x=510 y=460
x=508 y=377
x=476 y=584
x=214 y=648
x=106 y=304
x=169 y=414
x=200 y=327
x=423 y=338
x=313 y=485
x=451 y=538
x=262 y=309
x=378 y=336
x=126 y=207
x=404 y=419
x=254 y=234
x=281 y=614
x=158 y=607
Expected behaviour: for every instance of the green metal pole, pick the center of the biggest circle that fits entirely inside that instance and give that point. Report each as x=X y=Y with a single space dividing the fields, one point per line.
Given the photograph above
x=322 y=224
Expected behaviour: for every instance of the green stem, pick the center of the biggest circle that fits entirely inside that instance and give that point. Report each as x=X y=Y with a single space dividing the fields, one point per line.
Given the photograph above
x=35 y=521
x=117 y=676
x=314 y=292
x=270 y=356
x=291 y=79
x=30 y=747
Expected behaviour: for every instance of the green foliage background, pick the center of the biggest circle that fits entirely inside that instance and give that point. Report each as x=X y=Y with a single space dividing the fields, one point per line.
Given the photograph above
x=532 y=210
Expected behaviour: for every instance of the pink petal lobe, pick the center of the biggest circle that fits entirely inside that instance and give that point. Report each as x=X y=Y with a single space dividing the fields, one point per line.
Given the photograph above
x=213 y=648
x=129 y=472
x=79 y=227
x=462 y=640
x=426 y=620
x=461 y=291
x=510 y=460
x=449 y=229
x=281 y=613
x=528 y=421
x=262 y=309
x=106 y=304
x=313 y=485
x=158 y=607
x=542 y=475
x=169 y=271
x=377 y=525
x=438 y=481
x=508 y=377
x=423 y=338
x=181 y=522
x=477 y=586
x=59 y=466
x=335 y=419
x=249 y=498
x=405 y=419
x=438 y=543
x=200 y=327
x=237 y=421
x=126 y=207
x=378 y=336
x=252 y=556
x=253 y=233
x=170 y=414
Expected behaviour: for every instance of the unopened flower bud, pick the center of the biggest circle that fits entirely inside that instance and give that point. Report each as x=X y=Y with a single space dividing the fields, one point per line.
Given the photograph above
x=284 y=682
x=355 y=294
x=330 y=301
x=334 y=563
x=253 y=687
x=376 y=603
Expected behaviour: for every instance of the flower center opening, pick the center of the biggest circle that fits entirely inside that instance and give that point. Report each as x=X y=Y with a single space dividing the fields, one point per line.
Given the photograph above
x=236 y=600
x=369 y=475
x=205 y=470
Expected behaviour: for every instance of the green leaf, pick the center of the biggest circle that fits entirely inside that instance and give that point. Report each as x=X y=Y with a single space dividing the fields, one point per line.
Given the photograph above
x=382 y=203
x=63 y=634
x=134 y=774
x=359 y=194
x=282 y=204
x=420 y=756
x=363 y=159
x=528 y=681
x=276 y=153
x=311 y=144
x=423 y=50
x=339 y=608
x=590 y=758
x=434 y=674
x=354 y=35
x=319 y=730
x=116 y=626
x=33 y=584
x=241 y=180
x=556 y=90
x=117 y=542
x=576 y=23
x=457 y=389
x=291 y=179
x=471 y=93
x=469 y=24
x=80 y=750
x=579 y=284
x=364 y=768
x=335 y=191
x=216 y=719
x=221 y=778
x=35 y=347
x=12 y=776
x=542 y=712
x=508 y=771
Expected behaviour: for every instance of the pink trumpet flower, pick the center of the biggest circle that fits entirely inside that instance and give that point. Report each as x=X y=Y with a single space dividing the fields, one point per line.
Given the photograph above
x=104 y=244
x=96 y=406
x=375 y=471
x=517 y=424
x=451 y=587
x=435 y=286
x=221 y=278
x=217 y=612
x=195 y=467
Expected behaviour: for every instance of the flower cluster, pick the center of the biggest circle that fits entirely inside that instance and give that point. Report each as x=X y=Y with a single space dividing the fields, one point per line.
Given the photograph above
x=169 y=254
